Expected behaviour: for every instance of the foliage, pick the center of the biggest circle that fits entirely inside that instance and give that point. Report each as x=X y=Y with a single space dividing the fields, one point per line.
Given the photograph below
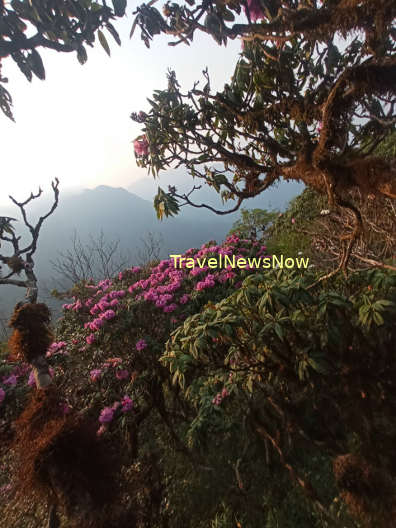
x=27 y=25
x=309 y=227
x=253 y=223
x=225 y=395
x=311 y=99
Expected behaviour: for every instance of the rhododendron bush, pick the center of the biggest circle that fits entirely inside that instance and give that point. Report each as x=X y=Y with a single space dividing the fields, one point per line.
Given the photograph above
x=227 y=394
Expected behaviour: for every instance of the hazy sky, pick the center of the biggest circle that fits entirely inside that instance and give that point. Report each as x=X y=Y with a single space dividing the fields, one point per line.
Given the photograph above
x=75 y=125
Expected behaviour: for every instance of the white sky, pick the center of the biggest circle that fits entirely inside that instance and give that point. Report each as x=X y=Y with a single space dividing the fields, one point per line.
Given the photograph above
x=75 y=125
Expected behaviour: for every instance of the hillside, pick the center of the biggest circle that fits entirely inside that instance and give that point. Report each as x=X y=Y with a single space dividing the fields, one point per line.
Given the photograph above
x=122 y=215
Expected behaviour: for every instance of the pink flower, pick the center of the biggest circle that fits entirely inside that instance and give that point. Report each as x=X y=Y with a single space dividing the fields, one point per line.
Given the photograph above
x=293 y=220
x=170 y=308
x=32 y=379
x=2 y=394
x=184 y=299
x=96 y=324
x=141 y=146
x=127 y=404
x=217 y=399
x=109 y=314
x=102 y=429
x=224 y=393
x=90 y=339
x=95 y=374
x=11 y=380
x=94 y=310
x=120 y=276
x=106 y=415
x=141 y=344
x=122 y=374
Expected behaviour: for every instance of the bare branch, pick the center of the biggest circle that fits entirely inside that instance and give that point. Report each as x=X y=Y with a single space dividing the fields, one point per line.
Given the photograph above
x=17 y=263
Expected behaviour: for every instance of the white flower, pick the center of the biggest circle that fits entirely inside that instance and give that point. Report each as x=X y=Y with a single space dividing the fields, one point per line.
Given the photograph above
x=325 y=212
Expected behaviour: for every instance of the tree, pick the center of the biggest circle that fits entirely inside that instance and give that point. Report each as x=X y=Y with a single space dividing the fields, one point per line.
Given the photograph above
x=21 y=258
x=30 y=320
x=253 y=223
x=151 y=248
x=311 y=98
x=94 y=260
x=61 y=26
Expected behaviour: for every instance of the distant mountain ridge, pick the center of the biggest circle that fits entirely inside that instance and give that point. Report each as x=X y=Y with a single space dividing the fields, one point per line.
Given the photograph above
x=125 y=215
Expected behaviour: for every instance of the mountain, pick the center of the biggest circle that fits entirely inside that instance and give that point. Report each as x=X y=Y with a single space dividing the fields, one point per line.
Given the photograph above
x=125 y=216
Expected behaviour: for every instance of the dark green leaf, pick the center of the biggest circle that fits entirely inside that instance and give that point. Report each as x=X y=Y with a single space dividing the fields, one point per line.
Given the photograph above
x=119 y=7
x=103 y=41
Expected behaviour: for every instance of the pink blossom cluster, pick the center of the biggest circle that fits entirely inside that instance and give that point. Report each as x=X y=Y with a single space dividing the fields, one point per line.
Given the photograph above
x=220 y=396
x=208 y=282
x=120 y=373
x=141 y=345
x=170 y=308
x=56 y=348
x=107 y=414
x=255 y=10
x=105 y=284
x=127 y=404
x=141 y=146
x=90 y=339
x=164 y=285
x=11 y=379
x=95 y=374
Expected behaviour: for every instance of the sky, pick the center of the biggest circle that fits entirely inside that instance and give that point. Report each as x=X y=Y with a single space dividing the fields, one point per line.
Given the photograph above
x=75 y=125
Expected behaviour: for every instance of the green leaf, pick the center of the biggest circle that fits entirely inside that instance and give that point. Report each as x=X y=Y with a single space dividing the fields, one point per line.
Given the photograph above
x=111 y=29
x=36 y=64
x=279 y=331
x=175 y=376
x=119 y=7
x=227 y=15
x=103 y=41
x=378 y=319
x=82 y=55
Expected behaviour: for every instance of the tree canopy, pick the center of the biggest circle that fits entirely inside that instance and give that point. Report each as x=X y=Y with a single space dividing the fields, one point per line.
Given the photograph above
x=28 y=25
x=311 y=98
